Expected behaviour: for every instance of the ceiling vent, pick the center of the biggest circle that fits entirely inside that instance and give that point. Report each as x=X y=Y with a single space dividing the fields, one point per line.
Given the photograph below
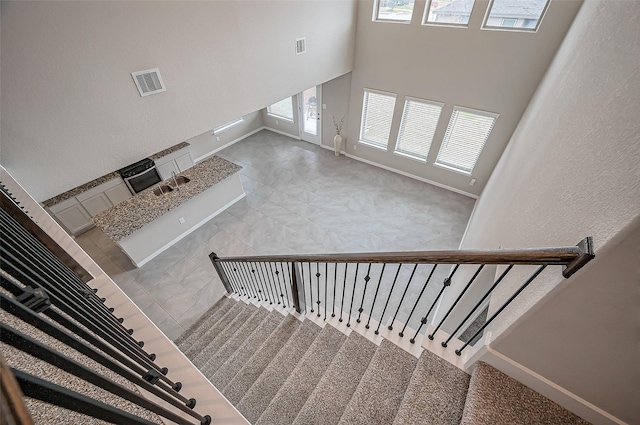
x=301 y=46
x=148 y=82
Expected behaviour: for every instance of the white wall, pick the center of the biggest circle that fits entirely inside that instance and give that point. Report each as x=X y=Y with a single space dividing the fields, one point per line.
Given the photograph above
x=495 y=71
x=288 y=127
x=71 y=111
x=336 y=95
x=570 y=171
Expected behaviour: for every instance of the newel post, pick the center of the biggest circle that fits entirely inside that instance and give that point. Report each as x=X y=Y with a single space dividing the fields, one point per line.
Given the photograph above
x=297 y=289
x=215 y=260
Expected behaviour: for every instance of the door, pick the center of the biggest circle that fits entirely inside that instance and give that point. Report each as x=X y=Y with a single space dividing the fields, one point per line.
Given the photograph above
x=309 y=112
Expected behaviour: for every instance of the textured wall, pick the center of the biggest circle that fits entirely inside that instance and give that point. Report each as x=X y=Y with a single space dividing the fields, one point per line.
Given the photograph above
x=71 y=111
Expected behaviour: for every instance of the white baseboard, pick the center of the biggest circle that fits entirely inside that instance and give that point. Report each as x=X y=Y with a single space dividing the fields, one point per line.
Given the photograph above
x=213 y=152
x=293 y=136
x=544 y=386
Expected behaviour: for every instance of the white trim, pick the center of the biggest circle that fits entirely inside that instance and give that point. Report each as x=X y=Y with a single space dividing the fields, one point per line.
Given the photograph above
x=293 y=136
x=409 y=156
x=542 y=385
x=280 y=117
x=373 y=145
x=227 y=126
x=450 y=168
x=169 y=244
x=425 y=16
x=216 y=150
x=413 y=176
x=484 y=25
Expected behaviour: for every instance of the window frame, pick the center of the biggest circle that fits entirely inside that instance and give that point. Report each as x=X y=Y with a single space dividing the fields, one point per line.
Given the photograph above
x=289 y=119
x=480 y=112
x=425 y=16
x=376 y=13
x=228 y=125
x=402 y=121
x=370 y=143
x=487 y=14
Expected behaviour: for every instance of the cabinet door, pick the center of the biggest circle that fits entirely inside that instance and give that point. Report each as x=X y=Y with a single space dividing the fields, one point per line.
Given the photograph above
x=96 y=204
x=184 y=162
x=74 y=219
x=166 y=169
x=118 y=193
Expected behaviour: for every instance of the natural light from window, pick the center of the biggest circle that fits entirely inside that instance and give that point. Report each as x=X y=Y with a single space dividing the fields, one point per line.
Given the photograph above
x=377 y=114
x=521 y=15
x=227 y=126
x=394 y=10
x=448 y=12
x=418 y=126
x=282 y=109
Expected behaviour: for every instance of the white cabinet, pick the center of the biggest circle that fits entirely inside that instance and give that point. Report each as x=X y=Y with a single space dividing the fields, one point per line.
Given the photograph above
x=118 y=193
x=72 y=216
x=177 y=162
x=166 y=169
x=184 y=162
x=96 y=204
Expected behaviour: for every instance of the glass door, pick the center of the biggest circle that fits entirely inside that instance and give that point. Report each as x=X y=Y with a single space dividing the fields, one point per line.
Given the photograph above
x=310 y=105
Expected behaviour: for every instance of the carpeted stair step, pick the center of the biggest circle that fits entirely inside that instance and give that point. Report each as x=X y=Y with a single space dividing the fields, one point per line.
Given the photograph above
x=236 y=340
x=380 y=392
x=225 y=373
x=211 y=316
x=222 y=337
x=253 y=368
x=495 y=398
x=213 y=328
x=261 y=393
x=328 y=400
x=435 y=395
x=295 y=391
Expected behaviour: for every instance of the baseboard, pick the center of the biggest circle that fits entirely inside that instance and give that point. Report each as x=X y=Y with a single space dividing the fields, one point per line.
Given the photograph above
x=213 y=152
x=293 y=136
x=539 y=383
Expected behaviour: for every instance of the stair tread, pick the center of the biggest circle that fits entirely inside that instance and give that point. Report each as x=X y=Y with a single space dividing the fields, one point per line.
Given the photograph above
x=295 y=391
x=495 y=398
x=212 y=315
x=328 y=400
x=247 y=375
x=225 y=373
x=380 y=392
x=260 y=394
x=436 y=393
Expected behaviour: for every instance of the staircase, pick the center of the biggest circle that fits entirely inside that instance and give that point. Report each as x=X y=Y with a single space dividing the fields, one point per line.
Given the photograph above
x=280 y=368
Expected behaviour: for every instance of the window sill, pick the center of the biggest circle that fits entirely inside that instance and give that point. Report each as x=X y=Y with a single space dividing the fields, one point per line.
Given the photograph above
x=409 y=156
x=280 y=117
x=371 y=145
x=444 y=24
x=455 y=170
x=392 y=21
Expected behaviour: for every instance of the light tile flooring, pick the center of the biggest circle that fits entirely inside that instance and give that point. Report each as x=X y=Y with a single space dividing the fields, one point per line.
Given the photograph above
x=300 y=198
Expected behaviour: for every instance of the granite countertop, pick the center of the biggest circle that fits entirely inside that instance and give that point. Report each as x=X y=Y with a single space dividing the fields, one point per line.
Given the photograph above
x=168 y=151
x=78 y=190
x=134 y=213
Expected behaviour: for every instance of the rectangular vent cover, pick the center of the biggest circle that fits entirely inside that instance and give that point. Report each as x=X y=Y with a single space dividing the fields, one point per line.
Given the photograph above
x=148 y=82
x=301 y=45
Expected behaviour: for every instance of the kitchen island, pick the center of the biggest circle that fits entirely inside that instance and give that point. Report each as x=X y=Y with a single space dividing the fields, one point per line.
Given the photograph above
x=148 y=223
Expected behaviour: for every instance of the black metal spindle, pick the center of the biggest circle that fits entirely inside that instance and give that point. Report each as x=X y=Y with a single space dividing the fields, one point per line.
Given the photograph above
x=335 y=281
x=375 y=295
x=318 y=286
x=242 y=267
x=258 y=283
x=290 y=276
x=484 y=297
x=326 y=266
x=353 y=294
x=247 y=271
x=234 y=287
x=456 y=301
x=406 y=288
x=274 y=276
x=406 y=323
x=344 y=287
x=364 y=293
x=506 y=303
x=395 y=279
x=270 y=278
x=283 y=276
x=260 y=267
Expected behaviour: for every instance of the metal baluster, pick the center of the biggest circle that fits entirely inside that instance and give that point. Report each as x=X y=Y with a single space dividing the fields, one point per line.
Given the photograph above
x=417 y=301
x=344 y=287
x=364 y=292
x=277 y=284
x=252 y=275
x=325 y=289
x=373 y=303
x=335 y=280
x=274 y=282
x=395 y=279
x=402 y=298
x=318 y=286
x=234 y=287
x=284 y=282
x=290 y=282
x=266 y=282
x=353 y=293
x=247 y=278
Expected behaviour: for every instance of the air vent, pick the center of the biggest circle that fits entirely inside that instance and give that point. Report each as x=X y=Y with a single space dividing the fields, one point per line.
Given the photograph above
x=148 y=82
x=301 y=46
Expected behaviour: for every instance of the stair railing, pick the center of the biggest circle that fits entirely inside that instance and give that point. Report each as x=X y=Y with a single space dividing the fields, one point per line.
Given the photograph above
x=39 y=290
x=320 y=283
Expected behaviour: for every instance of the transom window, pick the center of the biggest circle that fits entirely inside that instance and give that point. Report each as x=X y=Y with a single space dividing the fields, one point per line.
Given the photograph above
x=227 y=126
x=449 y=13
x=282 y=109
x=418 y=126
x=393 y=10
x=466 y=135
x=377 y=114
x=521 y=15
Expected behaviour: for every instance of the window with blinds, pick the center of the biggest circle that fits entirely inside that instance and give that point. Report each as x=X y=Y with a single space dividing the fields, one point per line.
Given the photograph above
x=282 y=109
x=418 y=126
x=377 y=114
x=466 y=135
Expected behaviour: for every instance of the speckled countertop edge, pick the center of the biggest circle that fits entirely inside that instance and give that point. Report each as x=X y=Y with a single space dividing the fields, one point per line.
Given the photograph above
x=168 y=151
x=134 y=213
x=78 y=190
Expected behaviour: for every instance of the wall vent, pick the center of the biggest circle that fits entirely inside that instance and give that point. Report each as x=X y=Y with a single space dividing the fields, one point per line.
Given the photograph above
x=301 y=45
x=148 y=82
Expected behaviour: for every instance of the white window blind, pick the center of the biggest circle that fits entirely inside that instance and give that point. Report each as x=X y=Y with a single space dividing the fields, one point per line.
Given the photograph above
x=418 y=126
x=283 y=109
x=377 y=114
x=466 y=135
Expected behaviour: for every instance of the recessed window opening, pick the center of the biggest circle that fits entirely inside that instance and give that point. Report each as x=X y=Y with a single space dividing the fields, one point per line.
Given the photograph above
x=282 y=109
x=418 y=126
x=228 y=125
x=448 y=13
x=377 y=114
x=515 y=15
x=393 y=10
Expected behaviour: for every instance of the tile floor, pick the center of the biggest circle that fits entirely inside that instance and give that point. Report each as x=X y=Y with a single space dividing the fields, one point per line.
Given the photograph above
x=300 y=198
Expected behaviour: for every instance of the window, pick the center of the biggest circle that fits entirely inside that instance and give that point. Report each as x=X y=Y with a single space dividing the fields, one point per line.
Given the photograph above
x=521 y=15
x=394 y=10
x=419 y=122
x=467 y=132
x=282 y=109
x=227 y=126
x=377 y=114
x=446 y=12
